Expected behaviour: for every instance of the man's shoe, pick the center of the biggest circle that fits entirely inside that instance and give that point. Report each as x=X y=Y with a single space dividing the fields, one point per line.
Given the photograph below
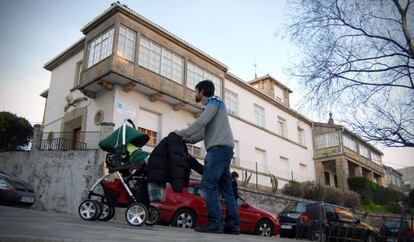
x=231 y=231
x=207 y=229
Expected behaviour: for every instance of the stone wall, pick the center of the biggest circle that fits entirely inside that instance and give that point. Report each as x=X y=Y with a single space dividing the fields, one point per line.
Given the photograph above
x=60 y=178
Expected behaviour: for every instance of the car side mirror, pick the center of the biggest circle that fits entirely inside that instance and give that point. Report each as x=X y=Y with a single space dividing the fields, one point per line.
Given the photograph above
x=245 y=205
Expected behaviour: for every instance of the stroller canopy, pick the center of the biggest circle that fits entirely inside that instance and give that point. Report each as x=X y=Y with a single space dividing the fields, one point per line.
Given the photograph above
x=133 y=137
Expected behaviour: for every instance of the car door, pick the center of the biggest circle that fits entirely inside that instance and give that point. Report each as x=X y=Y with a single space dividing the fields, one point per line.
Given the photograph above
x=248 y=216
x=353 y=230
x=200 y=203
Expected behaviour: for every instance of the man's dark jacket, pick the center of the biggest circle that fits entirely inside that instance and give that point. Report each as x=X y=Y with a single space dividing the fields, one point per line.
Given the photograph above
x=170 y=162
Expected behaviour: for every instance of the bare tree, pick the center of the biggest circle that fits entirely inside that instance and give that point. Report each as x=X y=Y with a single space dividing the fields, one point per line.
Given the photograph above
x=359 y=60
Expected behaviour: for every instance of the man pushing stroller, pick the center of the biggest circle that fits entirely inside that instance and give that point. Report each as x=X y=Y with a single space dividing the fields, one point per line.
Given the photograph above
x=214 y=128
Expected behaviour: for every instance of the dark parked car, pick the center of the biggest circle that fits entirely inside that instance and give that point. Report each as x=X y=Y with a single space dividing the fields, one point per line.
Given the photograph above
x=289 y=217
x=328 y=222
x=188 y=209
x=15 y=192
x=392 y=230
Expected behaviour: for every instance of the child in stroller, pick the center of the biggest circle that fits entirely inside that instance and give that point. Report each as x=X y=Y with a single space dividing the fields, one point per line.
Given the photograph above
x=127 y=162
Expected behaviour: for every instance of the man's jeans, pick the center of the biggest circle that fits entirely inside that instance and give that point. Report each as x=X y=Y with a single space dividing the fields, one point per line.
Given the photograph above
x=216 y=176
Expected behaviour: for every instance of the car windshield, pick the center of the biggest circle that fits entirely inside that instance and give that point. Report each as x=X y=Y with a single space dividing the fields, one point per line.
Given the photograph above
x=16 y=184
x=296 y=207
x=394 y=224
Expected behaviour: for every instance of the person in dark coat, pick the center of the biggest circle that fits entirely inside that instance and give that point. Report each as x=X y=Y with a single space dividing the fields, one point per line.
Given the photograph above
x=171 y=162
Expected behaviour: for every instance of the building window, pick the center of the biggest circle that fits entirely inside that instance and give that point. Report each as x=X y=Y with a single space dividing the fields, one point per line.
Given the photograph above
x=350 y=143
x=78 y=75
x=150 y=124
x=195 y=74
x=161 y=60
x=303 y=172
x=172 y=66
x=375 y=157
x=261 y=161
x=126 y=43
x=100 y=47
x=194 y=150
x=301 y=136
x=259 y=115
x=150 y=55
x=152 y=134
x=278 y=93
x=281 y=127
x=326 y=140
x=336 y=181
x=327 y=179
x=232 y=102
x=363 y=150
x=283 y=167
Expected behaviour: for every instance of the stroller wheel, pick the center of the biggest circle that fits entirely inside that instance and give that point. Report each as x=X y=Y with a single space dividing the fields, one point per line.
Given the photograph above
x=108 y=212
x=153 y=216
x=136 y=214
x=89 y=210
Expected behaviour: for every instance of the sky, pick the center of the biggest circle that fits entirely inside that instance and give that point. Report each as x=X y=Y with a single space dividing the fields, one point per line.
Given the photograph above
x=238 y=33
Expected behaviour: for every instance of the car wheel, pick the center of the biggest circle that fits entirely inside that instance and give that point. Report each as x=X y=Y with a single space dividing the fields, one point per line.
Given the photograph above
x=264 y=228
x=136 y=214
x=184 y=218
x=319 y=236
x=108 y=212
x=153 y=216
x=370 y=238
x=89 y=210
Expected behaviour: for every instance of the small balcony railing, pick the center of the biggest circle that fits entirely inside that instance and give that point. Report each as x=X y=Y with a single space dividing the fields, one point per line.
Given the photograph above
x=69 y=141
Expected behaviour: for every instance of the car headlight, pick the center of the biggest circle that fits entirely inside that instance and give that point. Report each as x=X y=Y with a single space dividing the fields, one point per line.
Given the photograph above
x=5 y=185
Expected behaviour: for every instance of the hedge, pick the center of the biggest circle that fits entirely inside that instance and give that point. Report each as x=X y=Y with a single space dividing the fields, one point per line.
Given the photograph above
x=373 y=193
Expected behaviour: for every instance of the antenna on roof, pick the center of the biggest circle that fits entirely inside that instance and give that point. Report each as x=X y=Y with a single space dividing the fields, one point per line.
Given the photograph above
x=255 y=70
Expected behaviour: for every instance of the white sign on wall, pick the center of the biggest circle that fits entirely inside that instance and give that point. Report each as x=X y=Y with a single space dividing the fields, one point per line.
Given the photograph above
x=126 y=110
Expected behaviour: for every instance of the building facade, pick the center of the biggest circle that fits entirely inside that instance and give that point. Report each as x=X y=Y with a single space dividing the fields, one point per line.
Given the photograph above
x=340 y=154
x=393 y=179
x=408 y=178
x=128 y=67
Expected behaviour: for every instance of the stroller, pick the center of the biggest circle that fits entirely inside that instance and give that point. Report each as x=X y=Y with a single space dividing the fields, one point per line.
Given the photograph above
x=128 y=163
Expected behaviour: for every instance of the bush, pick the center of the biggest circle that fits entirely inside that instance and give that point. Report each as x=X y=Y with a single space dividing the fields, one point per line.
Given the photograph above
x=312 y=190
x=351 y=199
x=333 y=195
x=373 y=193
x=293 y=188
x=15 y=132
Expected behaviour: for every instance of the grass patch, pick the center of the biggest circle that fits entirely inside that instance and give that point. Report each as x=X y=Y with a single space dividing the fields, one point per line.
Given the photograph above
x=375 y=208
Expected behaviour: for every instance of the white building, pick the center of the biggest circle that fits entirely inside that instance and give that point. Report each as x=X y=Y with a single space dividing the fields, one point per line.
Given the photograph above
x=128 y=67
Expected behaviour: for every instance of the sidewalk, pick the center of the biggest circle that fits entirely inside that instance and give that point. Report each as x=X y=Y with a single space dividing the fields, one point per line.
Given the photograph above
x=19 y=224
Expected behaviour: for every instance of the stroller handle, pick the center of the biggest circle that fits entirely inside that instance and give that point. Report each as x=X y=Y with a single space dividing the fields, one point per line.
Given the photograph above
x=132 y=123
x=124 y=131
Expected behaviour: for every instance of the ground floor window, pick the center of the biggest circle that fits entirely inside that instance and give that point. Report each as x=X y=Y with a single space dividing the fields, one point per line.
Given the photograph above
x=152 y=134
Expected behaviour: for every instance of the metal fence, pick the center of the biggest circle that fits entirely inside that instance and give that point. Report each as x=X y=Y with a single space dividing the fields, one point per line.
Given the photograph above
x=70 y=140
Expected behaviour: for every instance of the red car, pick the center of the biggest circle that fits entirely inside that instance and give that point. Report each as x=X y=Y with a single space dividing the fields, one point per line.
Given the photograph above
x=188 y=209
